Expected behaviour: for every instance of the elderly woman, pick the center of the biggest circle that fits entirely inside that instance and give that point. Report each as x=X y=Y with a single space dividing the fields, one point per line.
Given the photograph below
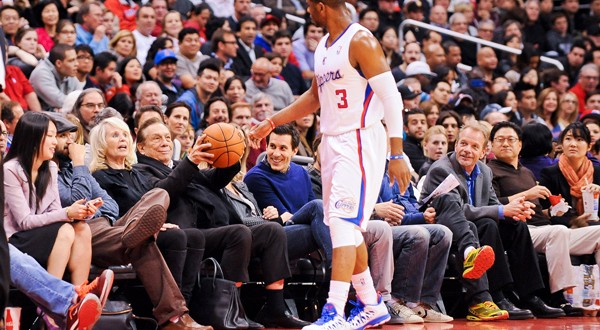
x=89 y=103
x=198 y=202
x=112 y=162
x=573 y=175
x=34 y=220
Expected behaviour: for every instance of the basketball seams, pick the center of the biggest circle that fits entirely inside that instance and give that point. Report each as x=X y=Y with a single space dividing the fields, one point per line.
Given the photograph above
x=222 y=145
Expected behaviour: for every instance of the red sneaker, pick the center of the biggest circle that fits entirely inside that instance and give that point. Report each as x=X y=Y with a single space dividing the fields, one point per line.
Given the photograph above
x=84 y=314
x=101 y=287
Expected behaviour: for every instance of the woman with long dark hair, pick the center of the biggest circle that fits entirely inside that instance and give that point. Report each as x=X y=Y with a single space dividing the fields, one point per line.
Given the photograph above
x=35 y=221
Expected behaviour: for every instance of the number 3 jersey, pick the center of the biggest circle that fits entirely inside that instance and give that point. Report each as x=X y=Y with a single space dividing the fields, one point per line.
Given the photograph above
x=347 y=101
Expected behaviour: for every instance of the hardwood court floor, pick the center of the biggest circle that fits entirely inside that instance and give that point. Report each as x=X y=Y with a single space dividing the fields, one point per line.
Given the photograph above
x=567 y=323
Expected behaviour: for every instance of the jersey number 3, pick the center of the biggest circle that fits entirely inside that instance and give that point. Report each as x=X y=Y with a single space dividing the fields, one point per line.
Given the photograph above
x=343 y=104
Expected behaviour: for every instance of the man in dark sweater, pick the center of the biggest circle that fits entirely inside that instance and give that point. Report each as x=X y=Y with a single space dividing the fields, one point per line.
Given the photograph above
x=512 y=180
x=415 y=125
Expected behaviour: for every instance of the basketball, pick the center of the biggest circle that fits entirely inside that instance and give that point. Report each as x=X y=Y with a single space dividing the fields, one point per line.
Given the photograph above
x=228 y=144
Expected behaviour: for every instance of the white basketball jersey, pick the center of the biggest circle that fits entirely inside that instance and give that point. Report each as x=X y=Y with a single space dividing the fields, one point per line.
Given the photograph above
x=347 y=101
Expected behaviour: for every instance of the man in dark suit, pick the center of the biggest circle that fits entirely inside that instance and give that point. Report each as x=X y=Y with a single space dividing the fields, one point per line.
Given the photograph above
x=500 y=226
x=247 y=52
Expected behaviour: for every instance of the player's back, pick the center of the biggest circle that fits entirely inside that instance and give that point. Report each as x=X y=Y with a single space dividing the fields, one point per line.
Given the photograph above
x=347 y=101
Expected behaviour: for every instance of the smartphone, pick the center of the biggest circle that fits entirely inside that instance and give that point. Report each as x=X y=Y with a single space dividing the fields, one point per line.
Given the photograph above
x=96 y=202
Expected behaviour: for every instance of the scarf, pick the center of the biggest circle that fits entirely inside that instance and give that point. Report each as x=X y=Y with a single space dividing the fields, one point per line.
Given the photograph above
x=577 y=179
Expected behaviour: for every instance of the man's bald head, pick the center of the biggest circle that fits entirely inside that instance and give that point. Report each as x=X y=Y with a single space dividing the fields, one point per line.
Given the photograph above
x=261 y=72
x=435 y=55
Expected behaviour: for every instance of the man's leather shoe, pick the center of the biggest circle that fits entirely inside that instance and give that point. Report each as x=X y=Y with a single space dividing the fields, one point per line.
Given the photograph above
x=571 y=310
x=254 y=325
x=514 y=312
x=541 y=310
x=280 y=321
x=185 y=322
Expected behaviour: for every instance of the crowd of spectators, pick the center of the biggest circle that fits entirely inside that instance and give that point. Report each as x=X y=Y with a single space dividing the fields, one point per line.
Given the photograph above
x=103 y=108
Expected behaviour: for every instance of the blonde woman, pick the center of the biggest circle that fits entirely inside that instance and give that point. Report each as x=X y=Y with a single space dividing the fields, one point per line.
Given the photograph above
x=547 y=104
x=565 y=114
x=123 y=45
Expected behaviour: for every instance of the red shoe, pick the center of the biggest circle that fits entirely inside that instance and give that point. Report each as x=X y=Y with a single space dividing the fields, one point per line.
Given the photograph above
x=84 y=314
x=101 y=287
x=478 y=262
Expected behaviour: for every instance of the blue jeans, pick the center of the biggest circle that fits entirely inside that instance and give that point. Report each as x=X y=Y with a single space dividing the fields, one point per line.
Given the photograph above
x=297 y=232
x=420 y=254
x=50 y=293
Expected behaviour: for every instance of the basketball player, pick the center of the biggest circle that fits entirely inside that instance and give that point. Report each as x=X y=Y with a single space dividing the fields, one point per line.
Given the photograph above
x=355 y=90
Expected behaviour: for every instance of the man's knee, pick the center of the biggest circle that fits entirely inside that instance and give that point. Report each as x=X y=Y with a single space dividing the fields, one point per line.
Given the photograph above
x=377 y=232
x=158 y=196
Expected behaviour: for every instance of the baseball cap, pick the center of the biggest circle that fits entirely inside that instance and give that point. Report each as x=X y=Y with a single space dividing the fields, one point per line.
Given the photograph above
x=407 y=92
x=62 y=124
x=462 y=97
x=270 y=18
x=164 y=54
x=493 y=107
x=418 y=67
x=593 y=117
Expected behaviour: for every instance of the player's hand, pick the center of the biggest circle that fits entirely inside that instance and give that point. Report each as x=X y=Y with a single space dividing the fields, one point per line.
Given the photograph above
x=390 y=211
x=198 y=152
x=429 y=215
x=259 y=132
x=398 y=171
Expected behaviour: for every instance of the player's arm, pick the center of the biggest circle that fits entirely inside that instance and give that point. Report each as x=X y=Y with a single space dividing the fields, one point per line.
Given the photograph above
x=367 y=56
x=306 y=104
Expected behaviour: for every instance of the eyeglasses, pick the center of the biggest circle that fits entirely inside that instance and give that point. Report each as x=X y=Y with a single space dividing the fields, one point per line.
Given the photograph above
x=93 y=105
x=5 y=133
x=502 y=139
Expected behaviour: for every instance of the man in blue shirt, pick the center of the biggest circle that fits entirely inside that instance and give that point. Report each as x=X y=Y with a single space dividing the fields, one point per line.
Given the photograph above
x=91 y=31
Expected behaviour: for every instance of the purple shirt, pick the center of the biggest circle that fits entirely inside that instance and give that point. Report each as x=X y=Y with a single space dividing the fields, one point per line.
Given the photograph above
x=18 y=214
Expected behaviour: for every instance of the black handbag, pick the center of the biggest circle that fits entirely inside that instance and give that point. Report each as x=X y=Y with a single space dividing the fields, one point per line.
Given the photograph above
x=216 y=301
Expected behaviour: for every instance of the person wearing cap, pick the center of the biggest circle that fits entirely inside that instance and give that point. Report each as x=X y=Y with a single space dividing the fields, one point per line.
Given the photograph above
x=122 y=241
x=165 y=62
x=410 y=98
x=422 y=72
x=494 y=113
x=268 y=26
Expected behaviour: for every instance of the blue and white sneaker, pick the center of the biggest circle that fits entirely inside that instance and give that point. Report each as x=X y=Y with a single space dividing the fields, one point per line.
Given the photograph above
x=330 y=320
x=368 y=316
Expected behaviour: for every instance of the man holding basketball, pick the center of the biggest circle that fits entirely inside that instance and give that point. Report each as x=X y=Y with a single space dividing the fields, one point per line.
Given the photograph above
x=355 y=91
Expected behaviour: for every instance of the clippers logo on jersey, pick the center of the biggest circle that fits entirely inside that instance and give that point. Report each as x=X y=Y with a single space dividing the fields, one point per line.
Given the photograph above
x=328 y=76
x=346 y=204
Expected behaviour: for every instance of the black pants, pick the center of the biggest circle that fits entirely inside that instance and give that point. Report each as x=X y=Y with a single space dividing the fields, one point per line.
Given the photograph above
x=234 y=245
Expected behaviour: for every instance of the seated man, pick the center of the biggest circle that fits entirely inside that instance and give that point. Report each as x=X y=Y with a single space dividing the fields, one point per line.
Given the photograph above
x=122 y=241
x=497 y=225
x=70 y=307
x=197 y=202
x=271 y=179
x=421 y=250
x=558 y=242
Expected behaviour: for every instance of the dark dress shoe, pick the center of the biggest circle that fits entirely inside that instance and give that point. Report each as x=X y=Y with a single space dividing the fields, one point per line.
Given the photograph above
x=280 y=321
x=570 y=310
x=514 y=312
x=254 y=325
x=541 y=310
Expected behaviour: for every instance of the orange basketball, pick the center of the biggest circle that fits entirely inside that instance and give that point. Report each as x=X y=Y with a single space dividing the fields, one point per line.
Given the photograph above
x=228 y=144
